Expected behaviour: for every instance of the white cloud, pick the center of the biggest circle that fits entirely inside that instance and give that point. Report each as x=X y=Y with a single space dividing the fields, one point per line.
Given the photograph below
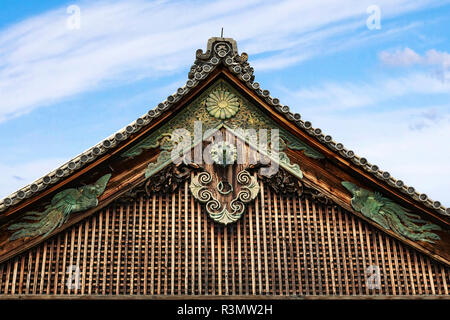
x=42 y=61
x=400 y=57
x=408 y=57
x=438 y=57
x=419 y=158
x=340 y=96
x=410 y=143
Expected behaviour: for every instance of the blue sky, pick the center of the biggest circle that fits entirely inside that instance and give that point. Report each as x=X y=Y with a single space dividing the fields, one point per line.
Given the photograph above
x=384 y=92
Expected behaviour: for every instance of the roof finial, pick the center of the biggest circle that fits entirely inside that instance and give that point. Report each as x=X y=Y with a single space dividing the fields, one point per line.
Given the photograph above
x=221 y=33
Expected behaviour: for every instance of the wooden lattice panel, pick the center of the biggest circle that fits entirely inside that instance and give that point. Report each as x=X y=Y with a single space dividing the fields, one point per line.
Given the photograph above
x=166 y=245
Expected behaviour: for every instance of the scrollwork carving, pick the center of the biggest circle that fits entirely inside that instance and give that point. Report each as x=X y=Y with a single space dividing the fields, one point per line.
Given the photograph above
x=199 y=187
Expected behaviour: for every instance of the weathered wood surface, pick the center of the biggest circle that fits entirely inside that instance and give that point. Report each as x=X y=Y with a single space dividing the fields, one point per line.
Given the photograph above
x=306 y=249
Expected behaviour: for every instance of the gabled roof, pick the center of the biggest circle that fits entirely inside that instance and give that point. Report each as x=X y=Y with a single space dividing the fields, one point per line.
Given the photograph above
x=219 y=51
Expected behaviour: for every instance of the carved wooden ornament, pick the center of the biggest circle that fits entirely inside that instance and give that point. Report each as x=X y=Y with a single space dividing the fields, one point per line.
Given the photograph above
x=224 y=188
x=218 y=198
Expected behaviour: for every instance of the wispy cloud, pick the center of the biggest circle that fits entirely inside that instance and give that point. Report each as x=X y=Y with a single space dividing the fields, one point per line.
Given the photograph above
x=406 y=141
x=407 y=57
x=400 y=57
x=429 y=118
x=439 y=61
x=341 y=96
x=418 y=157
x=42 y=61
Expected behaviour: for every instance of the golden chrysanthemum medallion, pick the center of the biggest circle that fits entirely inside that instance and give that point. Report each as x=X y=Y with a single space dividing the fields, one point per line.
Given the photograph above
x=222 y=104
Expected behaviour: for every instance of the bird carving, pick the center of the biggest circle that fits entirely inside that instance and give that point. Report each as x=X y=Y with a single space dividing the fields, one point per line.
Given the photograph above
x=58 y=211
x=390 y=215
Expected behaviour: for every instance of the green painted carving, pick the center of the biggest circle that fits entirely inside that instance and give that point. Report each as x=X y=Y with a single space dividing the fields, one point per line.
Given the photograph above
x=224 y=190
x=217 y=212
x=58 y=211
x=288 y=140
x=248 y=117
x=390 y=215
x=153 y=167
x=222 y=104
x=292 y=167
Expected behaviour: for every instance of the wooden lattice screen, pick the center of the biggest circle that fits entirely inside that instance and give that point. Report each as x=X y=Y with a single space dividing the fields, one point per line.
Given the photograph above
x=166 y=245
